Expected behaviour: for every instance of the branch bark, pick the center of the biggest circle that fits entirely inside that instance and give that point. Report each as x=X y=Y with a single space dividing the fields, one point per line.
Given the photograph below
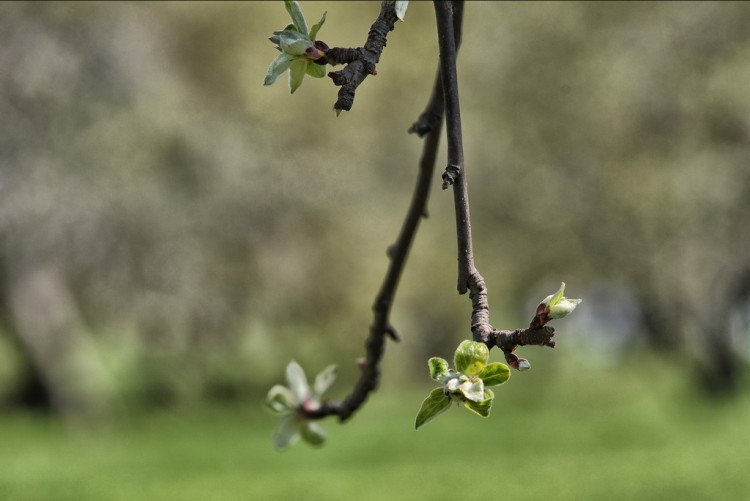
x=469 y=279
x=360 y=62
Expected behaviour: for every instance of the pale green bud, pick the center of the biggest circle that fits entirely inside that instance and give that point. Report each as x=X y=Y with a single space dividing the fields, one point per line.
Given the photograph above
x=559 y=306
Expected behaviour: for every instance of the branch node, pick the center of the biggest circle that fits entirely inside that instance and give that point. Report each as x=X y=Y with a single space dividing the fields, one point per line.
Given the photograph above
x=450 y=175
x=360 y=62
x=337 y=77
x=391 y=332
x=426 y=123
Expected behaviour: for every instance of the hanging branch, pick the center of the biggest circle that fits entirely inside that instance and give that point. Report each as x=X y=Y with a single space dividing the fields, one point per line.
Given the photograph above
x=398 y=253
x=299 y=403
x=469 y=278
x=428 y=125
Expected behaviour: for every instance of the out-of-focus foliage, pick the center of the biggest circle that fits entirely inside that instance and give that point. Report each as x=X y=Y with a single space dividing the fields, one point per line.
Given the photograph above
x=621 y=436
x=171 y=229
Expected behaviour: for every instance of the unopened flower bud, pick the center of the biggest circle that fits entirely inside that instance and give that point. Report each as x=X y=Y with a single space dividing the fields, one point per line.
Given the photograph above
x=520 y=364
x=559 y=306
x=314 y=53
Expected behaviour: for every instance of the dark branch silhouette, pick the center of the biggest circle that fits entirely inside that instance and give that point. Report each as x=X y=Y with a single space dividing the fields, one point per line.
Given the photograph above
x=360 y=62
x=469 y=278
x=428 y=125
x=444 y=101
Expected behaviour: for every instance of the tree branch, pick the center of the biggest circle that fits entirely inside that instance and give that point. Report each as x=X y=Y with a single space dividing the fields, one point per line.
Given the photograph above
x=362 y=61
x=469 y=278
x=380 y=328
x=454 y=174
x=428 y=125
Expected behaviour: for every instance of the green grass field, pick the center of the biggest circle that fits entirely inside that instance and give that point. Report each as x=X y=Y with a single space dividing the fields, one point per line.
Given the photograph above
x=640 y=435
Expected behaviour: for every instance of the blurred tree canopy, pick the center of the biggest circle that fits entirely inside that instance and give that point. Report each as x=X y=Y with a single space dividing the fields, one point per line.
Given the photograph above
x=170 y=229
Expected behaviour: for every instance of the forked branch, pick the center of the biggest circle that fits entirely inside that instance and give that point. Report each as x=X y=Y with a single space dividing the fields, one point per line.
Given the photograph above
x=361 y=61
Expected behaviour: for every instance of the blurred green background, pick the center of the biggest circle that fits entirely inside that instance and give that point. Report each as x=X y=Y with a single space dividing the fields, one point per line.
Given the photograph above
x=172 y=233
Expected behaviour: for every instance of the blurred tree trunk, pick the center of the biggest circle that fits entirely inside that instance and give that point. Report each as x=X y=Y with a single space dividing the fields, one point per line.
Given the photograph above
x=53 y=339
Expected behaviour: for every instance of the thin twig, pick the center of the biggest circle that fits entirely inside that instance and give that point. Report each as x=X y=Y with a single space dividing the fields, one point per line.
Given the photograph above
x=455 y=170
x=429 y=126
x=469 y=278
x=380 y=328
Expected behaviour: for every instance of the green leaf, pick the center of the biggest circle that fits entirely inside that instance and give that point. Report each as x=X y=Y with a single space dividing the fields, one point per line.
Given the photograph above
x=438 y=367
x=432 y=406
x=494 y=374
x=296 y=73
x=324 y=380
x=401 y=6
x=295 y=12
x=313 y=433
x=314 y=30
x=473 y=390
x=481 y=408
x=278 y=66
x=295 y=376
x=288 y=432
x=557 y=296
x=316 y=70
x=280 y=400
x=471 y=357
x=276 y=37
x=288 y=37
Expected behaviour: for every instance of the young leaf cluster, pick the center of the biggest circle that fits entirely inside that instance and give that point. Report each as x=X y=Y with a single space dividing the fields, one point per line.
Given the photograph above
x=288 y=402
x=298 y=48
x=467 y=384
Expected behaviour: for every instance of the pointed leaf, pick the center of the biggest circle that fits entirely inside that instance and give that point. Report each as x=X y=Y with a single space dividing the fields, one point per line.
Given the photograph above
x=280 y=400
x=288 y=432
x=494 y=374
x=438 y=367
x=316 y=70
x=314 y=30
x=324 y=380
x=432 y=406
x=313 y=433
x=401 y=6
x=295 y=12
x=297 y=380
x=297 y=72
x=278 y=66
x=471 y=357
x=276 y=37
x=557 y=296
x=481 y=408
x=288 y=37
